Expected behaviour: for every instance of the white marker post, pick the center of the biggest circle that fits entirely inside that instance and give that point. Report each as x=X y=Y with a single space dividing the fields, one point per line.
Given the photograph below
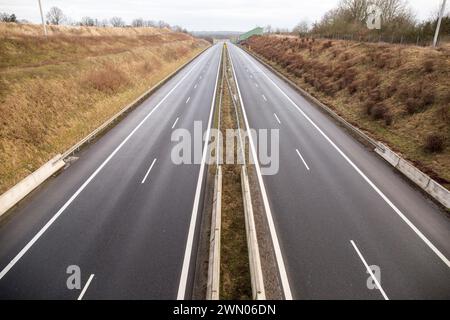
x=436 y=34
x=42 y=18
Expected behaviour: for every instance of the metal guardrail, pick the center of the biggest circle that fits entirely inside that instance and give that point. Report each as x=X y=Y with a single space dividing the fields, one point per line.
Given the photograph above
x=420 y=179
x=213 y=284
x=256 y=274
x=16 y=193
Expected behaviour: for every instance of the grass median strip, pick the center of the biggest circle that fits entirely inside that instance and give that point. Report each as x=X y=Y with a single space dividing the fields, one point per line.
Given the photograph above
x=235 y=271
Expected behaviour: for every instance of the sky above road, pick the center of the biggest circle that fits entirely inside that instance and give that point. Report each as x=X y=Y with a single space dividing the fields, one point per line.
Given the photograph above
x=198 y=15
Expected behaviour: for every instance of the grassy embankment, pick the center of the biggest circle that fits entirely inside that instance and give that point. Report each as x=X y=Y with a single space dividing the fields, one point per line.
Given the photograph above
x=398 y=94
x=55 y=91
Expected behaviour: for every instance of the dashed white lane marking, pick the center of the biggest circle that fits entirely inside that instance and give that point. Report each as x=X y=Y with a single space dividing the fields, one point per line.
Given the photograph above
x=350 y=162
x=195 y=87
x=85 y=287
x=304 y=162
x=369 y=270
x=188 y=99
x=148 y=171
x=276 y=117
x=174 y=124
x=264 y=97
x=278 y=255
x=92 y=176
x=190 y=238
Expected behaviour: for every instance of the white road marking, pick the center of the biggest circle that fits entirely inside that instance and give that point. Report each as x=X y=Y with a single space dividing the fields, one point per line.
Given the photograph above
x=374 y=187
x=304 y=162
x=174 y=124
x=256 y=85
x=148 y=171
x=91 y=177
x=188 y=99
x=276 y=117
x=190 y=239
x=264 y=97
x=276 y=245
x=85 y=287
x=195 y=87
x=369 y=270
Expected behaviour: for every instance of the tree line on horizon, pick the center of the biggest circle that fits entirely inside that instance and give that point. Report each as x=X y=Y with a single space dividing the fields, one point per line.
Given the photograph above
x=350 y=16
x=55 y=16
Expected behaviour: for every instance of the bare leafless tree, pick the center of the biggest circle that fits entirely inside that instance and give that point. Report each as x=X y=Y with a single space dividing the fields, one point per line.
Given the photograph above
x=117 y=22
x=163 y=24
x=55 y=16
x=394 y=9
x=355 y=9
x=88 y=21
x=301 y=28
x=138 y=23
x=150 y=23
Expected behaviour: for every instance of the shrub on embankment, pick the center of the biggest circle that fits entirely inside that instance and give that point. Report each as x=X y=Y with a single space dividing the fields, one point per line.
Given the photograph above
x=398 y=94
x=55 y=91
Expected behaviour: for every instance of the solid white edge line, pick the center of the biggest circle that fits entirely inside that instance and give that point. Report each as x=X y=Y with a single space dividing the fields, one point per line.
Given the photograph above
x=304 y=162
x=188 y=99
x=189 y=243
x=85 y=287
x=174 y=124
x=374 y=187
x=276 y=117
x=92 y=176
x=219 y=119
x=278 y=255
x=148 y=171
x=369 y=270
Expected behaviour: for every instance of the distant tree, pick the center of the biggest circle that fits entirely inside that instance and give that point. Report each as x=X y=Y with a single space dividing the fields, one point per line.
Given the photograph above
x=178 y=29
x=117 y=22
x=162 y=24
x=268 y=29
x=149 y=23
x=4 y=17
x=137 y=23
x=103 y=23
x=350 y=18
x=55 y=16
x=301 y=28
x=88 y=21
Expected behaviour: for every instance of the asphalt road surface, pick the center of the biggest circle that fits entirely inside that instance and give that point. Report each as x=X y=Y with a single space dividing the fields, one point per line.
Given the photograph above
x=338 y=208
x=127 y=216
x=122 y=212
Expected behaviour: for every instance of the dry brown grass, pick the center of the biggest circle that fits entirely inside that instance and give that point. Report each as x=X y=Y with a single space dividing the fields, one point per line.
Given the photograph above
x=398 y=94
x=54 y=92
x=234 y=269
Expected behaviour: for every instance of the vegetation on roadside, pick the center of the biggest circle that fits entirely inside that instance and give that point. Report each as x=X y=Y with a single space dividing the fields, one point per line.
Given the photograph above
x=234 y=264
x=398 y=94
x=55 y=90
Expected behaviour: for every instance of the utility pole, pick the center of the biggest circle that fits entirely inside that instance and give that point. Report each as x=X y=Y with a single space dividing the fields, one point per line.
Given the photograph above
x=436 y=34
x=42 y=18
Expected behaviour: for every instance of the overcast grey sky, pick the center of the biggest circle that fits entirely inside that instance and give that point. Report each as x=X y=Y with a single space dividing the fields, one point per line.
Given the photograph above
x=196 y=15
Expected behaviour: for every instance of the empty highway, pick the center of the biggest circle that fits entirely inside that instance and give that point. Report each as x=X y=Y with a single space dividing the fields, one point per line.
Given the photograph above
x=337 y=208
x=123 y=212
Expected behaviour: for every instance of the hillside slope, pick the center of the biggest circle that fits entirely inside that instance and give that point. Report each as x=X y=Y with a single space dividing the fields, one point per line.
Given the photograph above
x=398 y=94
x=55 y=91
